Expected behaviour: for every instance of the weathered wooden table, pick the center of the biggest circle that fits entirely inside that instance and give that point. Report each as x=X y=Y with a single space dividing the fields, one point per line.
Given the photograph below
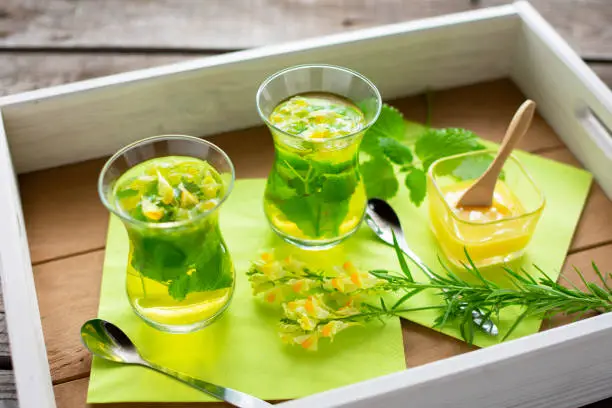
x=44 y=43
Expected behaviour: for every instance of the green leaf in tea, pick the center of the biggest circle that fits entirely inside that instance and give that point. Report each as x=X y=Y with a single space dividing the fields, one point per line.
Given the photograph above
x=125 y=193
x=338 y=187
x=179 y=288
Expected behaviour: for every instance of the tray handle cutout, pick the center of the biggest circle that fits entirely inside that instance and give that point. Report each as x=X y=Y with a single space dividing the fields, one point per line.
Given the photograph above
x=594 y=126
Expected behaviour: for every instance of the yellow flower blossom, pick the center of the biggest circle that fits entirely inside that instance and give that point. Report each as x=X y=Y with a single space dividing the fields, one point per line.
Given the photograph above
x=273 y=295
x=267 y=257
x=332 y=328
x=293 y=265
x=307 y=323
x=348 y=309
x=308 y=341
x=273 y=270
x=300 y=286
x=260 y=284
x=338 y=284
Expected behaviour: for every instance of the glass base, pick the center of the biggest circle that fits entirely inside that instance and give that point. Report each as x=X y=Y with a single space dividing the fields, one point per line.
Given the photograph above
x=314 y=244
x=184 y=328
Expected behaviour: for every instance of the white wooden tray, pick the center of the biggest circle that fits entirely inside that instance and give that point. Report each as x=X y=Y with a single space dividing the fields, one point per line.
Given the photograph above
x=562 y=367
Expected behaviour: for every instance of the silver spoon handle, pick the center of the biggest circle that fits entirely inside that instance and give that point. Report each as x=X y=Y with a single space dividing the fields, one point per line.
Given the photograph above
x=236 y=398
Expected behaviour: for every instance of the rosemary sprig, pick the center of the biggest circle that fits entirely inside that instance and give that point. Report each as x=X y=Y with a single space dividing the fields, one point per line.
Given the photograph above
x=542 y=297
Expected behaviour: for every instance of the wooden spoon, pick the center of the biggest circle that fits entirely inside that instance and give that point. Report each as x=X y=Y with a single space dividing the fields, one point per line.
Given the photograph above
x=480 y=194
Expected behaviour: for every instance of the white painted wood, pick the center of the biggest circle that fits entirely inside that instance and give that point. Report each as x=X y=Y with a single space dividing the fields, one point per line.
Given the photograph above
x=564 y=367
x=202 y=97
x=32 y=377
x=548 y=71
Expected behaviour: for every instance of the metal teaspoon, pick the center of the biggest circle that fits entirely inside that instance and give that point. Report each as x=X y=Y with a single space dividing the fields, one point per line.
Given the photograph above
x=383 y=220
x=109 y=342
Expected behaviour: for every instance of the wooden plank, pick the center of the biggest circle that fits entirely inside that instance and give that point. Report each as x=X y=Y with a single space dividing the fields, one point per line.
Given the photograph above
x=21 y=72
x=64 y=216
x=68 y=295
x=595 y=226
x=7 y=388
x=223 y=24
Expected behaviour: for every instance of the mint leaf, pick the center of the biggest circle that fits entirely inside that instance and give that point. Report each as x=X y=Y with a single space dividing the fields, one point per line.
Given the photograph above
x=300 y=211
x=395 y=151
x=278 y=189
x=416 y=183
x=389 y=124
x=437 y=143
x=379 y=178
x=179 y=288
x=128 y=192
x=338 y=187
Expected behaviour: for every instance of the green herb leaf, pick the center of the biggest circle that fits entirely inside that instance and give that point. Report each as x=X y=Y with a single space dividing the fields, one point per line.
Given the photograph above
x=128 y=192
x=437 y=143
x=395 y=151
x=390 y=124
x=338 y=187
x=179 y=288
x=379 y=178
x=416 y=183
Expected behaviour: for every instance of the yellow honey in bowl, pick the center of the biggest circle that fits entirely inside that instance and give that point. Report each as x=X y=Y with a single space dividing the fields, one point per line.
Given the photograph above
x=490 y=235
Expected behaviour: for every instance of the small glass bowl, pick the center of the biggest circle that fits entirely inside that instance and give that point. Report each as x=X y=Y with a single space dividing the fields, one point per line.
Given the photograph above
x=487 y=242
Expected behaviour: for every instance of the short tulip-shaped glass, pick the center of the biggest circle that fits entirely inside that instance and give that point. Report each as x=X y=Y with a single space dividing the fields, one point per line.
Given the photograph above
x=498 y=237
x=315 y=196
x=167 y=191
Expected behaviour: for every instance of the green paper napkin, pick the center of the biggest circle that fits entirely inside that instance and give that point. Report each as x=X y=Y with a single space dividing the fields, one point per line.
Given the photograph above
x=242 y=350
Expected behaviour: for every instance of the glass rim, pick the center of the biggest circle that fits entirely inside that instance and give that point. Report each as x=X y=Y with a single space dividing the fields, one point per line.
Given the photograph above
x=272 y=77
x=158 y=138
x=539 y=208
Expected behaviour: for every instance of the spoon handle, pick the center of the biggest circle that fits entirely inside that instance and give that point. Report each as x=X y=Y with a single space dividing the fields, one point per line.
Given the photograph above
x=236 y=398
x=481 y=321
x=480 y=193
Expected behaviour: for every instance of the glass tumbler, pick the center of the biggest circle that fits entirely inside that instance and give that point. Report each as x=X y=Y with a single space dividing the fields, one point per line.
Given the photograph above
x=488 y=242
x=315 y=196
x=180 y=276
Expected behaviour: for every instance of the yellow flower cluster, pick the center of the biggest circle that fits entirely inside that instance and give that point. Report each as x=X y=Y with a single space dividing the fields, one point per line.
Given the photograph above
x=315 y=305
